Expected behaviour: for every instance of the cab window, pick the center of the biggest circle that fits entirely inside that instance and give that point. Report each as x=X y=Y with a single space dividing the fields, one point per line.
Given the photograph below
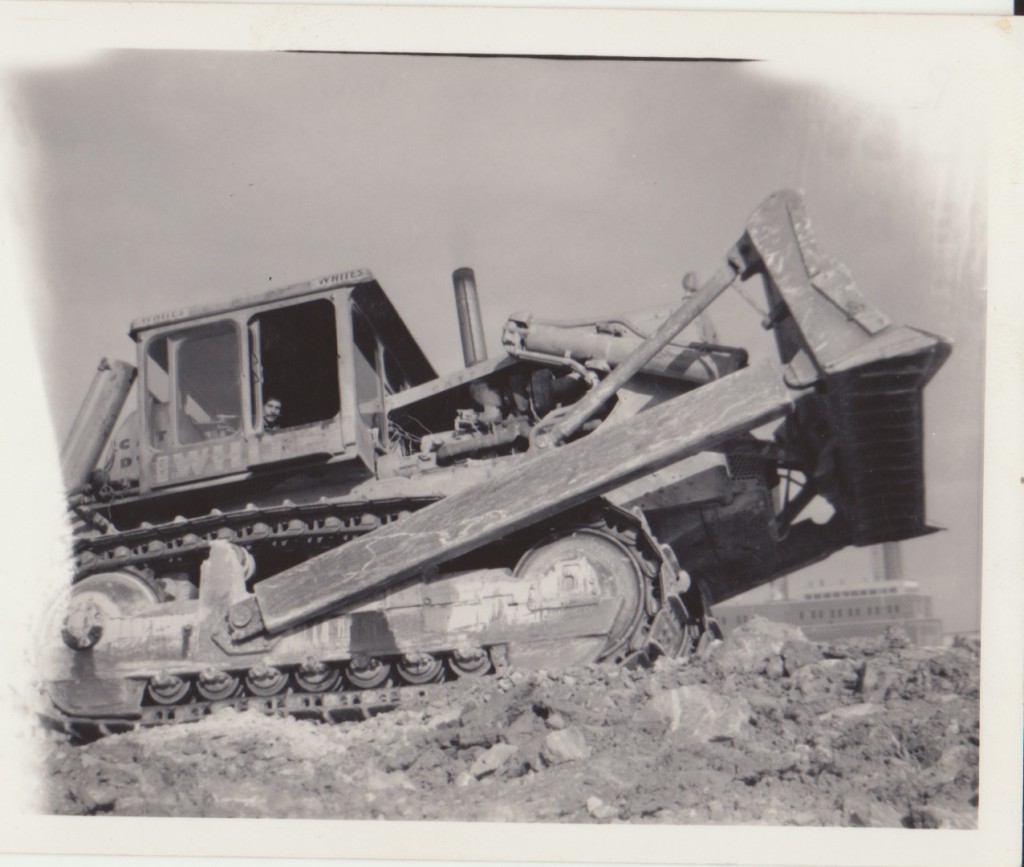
x=294 y=361
x=368 y=386
x=158 y=393
x=395 y=379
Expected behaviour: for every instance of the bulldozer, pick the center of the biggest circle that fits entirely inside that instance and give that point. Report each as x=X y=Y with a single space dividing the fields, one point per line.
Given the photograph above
x=299 y=516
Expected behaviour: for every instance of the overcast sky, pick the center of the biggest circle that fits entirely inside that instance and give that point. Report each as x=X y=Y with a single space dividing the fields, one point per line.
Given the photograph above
x=589 y=187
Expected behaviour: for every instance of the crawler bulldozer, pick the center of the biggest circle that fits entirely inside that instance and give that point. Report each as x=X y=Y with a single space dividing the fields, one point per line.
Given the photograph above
x=585 y=496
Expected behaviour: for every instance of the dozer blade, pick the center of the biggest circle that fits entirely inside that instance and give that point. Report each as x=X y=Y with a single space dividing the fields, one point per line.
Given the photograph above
x=871 y=373
x=527 y=493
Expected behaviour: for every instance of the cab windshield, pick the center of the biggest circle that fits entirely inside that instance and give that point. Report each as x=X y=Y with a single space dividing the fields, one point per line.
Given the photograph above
x=193 y=383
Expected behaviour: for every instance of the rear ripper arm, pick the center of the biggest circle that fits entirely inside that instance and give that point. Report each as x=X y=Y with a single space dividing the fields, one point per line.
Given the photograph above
x=850 y=390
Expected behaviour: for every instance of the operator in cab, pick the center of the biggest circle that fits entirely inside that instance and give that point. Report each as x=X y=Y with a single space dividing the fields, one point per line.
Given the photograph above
x=272 y=414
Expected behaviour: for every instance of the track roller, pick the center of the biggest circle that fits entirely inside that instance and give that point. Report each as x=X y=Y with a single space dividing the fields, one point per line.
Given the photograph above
x=214 y=685
x=420 y=668
x=469 y=662
x=367 y=672
x=316 y=677
x=168 y=689
x=265 y=681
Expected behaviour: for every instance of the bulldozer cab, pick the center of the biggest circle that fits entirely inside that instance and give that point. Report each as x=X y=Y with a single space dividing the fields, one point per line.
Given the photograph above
x=323 y=355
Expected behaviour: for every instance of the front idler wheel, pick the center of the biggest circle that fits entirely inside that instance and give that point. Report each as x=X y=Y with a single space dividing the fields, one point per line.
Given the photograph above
x=102 y=600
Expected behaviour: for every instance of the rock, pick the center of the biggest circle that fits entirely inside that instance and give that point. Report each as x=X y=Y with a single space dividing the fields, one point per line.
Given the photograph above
x=132 y=805
x=501 y=812
x=565 y=745
x=873 y=680
x=955 y=819
x=852 y=712
x=555 y=721
x=463 y=779
x=474 y=735
x=716 y=810
x=939 y=817
x=800 y=759
x=379 y=781
x=600 y=810
x=765 y=704
x=428 y=760
x=530 y=756
x=862 y=812
x=954 y=761
x=918 y=654
x=708 y=649
x=698 y=713
x=402 y=759
x=96 y=797
x=805 y=819
x=775 y=667
x=492 y=760
x=524 y=725
x=756 y=646
x=797 y=654
x=968 y=643
x=825 y=678
x=446 y=718
x=90 y=760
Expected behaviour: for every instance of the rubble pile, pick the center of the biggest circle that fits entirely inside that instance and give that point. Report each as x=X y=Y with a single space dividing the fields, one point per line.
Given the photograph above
x=766 y=728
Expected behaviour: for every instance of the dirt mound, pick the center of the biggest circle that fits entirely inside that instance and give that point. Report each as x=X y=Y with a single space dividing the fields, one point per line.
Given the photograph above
x=766 y=728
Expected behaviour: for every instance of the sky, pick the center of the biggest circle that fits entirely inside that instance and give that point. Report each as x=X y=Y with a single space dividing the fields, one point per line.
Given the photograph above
x=153 y=180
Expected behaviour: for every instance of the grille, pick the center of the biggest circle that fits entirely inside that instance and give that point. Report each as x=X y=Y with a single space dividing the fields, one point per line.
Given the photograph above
x=878 y=416
x=752 y=468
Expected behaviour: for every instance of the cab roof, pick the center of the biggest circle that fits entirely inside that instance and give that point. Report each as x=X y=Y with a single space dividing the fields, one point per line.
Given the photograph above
x=362 y=287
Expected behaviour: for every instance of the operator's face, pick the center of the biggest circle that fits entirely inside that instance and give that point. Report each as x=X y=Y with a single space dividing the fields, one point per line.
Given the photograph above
x=271 y=411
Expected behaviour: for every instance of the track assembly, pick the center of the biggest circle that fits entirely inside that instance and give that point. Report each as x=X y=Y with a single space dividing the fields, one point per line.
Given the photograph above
x=607 y=565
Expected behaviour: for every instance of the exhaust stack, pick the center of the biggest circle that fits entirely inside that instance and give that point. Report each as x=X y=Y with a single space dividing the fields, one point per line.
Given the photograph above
x=467 y=307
